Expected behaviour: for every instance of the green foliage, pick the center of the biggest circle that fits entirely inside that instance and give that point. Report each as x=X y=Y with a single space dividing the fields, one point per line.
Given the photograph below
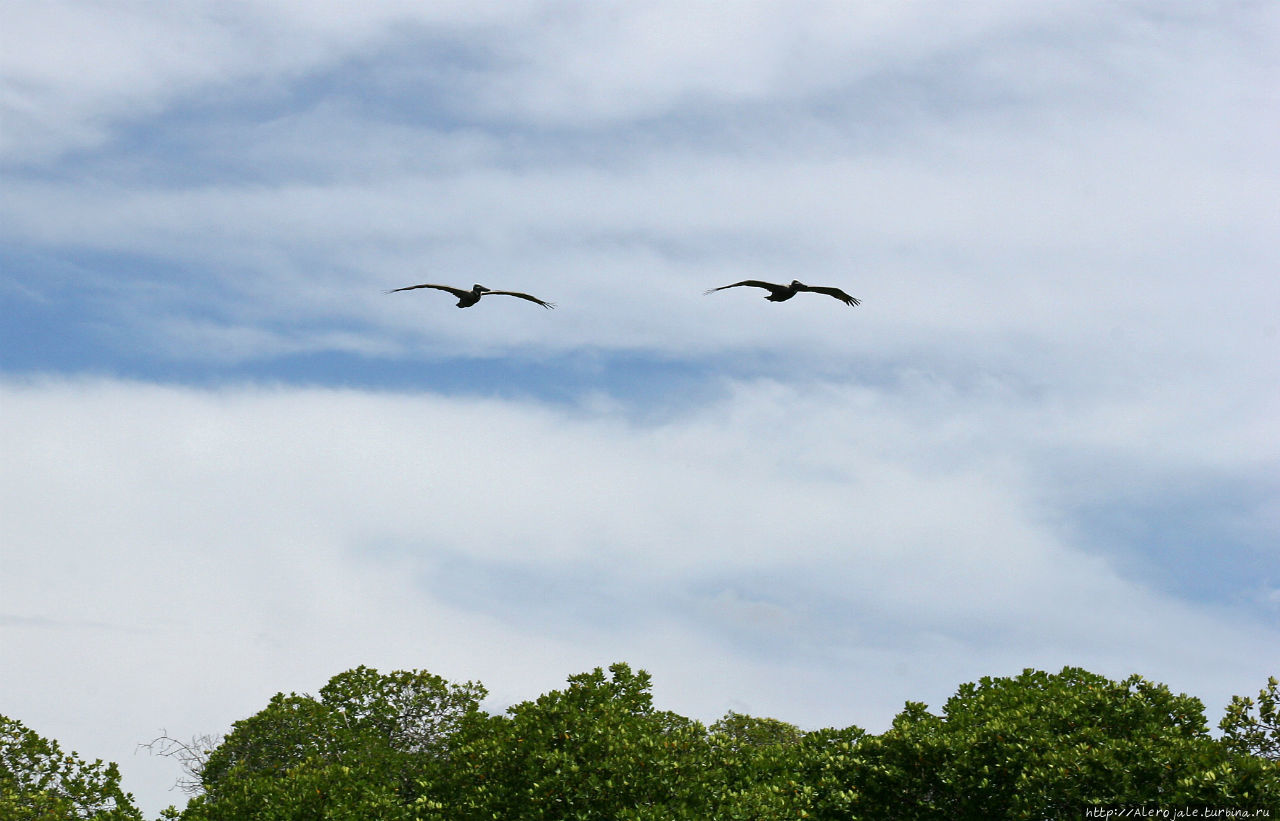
x=312 y=789
x=409 y=746
x=1254 y=732
x=38 y=782
x=741 y=731
x=360 y=750
x=1049 y=746
x=596 y=749
x=760 y=769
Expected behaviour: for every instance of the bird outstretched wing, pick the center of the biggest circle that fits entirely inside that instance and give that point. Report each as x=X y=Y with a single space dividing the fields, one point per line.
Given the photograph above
x=529 y=297
x=754 y=283
x=458 y=292
x=835 y=292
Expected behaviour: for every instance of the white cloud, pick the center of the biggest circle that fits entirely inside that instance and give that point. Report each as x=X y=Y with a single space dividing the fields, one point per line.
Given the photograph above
x=958 y=250
x=591 y=64
x=1106 y=206
x=174 y=555
x=75 y=71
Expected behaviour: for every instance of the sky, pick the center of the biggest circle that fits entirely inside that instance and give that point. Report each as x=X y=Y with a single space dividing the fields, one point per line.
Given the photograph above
x=232 y=465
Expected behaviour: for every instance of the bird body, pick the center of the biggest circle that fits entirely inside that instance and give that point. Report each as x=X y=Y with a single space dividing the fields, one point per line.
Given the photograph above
x=781 y=293
x=468 y=298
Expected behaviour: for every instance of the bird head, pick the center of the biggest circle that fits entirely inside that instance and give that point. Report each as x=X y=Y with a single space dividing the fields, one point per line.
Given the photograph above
x=479 y=289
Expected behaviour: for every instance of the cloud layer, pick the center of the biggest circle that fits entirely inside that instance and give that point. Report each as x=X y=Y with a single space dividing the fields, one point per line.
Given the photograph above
x=1100 y=169
x=811 y=553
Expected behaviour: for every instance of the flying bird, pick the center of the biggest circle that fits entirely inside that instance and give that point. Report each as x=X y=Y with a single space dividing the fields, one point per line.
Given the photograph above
x=781 y=293
x=468 y=298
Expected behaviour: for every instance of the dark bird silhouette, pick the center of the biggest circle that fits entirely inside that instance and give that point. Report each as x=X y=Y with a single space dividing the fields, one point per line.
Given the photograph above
x=781 y=293
x=468 y=298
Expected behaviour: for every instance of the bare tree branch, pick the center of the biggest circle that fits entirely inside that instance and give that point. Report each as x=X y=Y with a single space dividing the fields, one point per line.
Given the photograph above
x=190 y=755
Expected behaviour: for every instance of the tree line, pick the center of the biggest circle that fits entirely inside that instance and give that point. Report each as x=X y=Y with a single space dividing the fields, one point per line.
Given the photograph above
x=411 y=746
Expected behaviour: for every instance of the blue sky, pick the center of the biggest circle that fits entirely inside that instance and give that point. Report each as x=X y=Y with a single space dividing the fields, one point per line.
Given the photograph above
x=234 y=465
